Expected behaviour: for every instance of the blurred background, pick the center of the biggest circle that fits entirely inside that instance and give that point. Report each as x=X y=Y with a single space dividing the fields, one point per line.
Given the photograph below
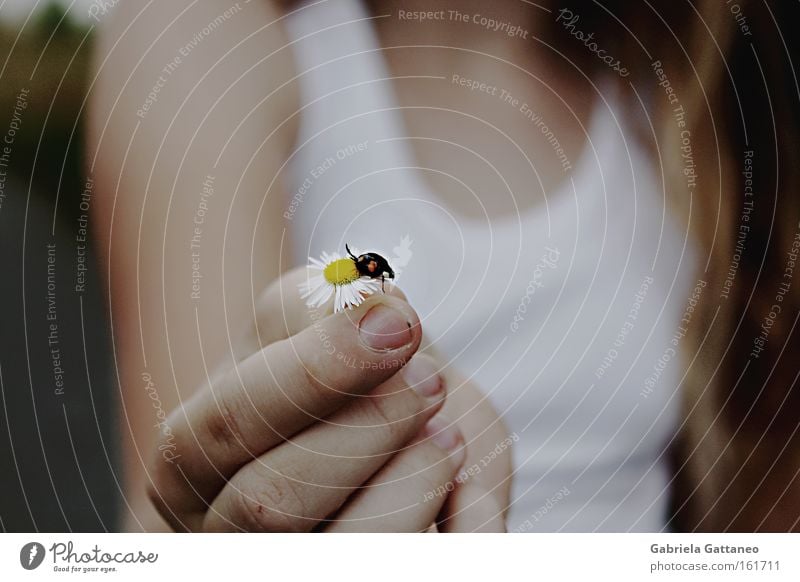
x=57 y=446
x=58 y=382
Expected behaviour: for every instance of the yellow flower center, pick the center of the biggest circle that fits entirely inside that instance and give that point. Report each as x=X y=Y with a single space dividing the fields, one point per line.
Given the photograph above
x=341 y=272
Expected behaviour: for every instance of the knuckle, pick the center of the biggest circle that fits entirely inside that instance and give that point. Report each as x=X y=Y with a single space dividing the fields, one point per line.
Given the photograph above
x=320 y=386
x=272 y=506
x=223 y=424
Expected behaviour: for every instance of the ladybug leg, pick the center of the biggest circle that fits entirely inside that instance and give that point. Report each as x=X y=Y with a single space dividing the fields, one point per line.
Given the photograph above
x=383 y=281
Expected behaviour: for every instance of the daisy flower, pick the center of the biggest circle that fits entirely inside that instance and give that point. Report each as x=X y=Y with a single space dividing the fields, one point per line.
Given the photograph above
x=337 y=276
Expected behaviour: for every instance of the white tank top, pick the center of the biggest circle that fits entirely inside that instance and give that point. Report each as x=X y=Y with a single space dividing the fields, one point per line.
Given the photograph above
x=562 y=315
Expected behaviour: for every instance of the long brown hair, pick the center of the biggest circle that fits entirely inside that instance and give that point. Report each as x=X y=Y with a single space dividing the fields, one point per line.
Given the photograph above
x=726 y=161
x=729 y=65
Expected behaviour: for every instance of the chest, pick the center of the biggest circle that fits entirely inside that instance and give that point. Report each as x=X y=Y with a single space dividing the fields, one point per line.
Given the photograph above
x=520 y=279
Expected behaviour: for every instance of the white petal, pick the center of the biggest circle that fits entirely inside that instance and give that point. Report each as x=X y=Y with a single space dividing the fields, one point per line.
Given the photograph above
x=357 y=294
x=317 y=290
x=310 y=285
x=321 y=295
x=338 y=305
x=368 y=285
x=328 y=258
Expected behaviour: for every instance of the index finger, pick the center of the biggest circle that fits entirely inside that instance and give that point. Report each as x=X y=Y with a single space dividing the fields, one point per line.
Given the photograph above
x=280 y=312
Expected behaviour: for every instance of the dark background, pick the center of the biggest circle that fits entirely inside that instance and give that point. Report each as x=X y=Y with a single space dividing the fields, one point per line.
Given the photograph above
x=57 y=451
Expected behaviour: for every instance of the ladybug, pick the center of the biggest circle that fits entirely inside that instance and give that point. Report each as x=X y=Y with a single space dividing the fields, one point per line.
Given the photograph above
x=372 y=265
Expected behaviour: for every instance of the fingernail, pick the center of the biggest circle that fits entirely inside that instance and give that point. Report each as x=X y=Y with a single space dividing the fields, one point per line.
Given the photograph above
x=384 y=328
x=421 y=374
x=447 y=437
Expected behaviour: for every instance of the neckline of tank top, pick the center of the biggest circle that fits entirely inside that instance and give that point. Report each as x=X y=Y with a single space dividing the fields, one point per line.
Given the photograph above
x=599 y=131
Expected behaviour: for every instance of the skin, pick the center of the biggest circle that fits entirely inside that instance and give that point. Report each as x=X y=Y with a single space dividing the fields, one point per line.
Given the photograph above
x=490 y=125
x=240 y=472
x=232 y=366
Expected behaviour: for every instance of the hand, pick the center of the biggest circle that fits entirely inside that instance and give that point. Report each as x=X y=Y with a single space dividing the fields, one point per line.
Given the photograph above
x=316 y=429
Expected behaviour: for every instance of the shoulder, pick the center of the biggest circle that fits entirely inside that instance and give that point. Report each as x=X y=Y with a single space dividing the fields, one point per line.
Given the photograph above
x=183 y=57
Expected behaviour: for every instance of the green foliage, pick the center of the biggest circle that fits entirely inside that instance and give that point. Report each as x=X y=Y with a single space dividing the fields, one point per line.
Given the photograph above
x=49 y=56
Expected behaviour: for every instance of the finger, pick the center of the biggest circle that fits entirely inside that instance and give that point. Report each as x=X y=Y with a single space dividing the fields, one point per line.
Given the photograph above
x=278 y=391
x=489 y=442
x=295 y=485
x=471 y=508
x=280 y=312
x=409 y=491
